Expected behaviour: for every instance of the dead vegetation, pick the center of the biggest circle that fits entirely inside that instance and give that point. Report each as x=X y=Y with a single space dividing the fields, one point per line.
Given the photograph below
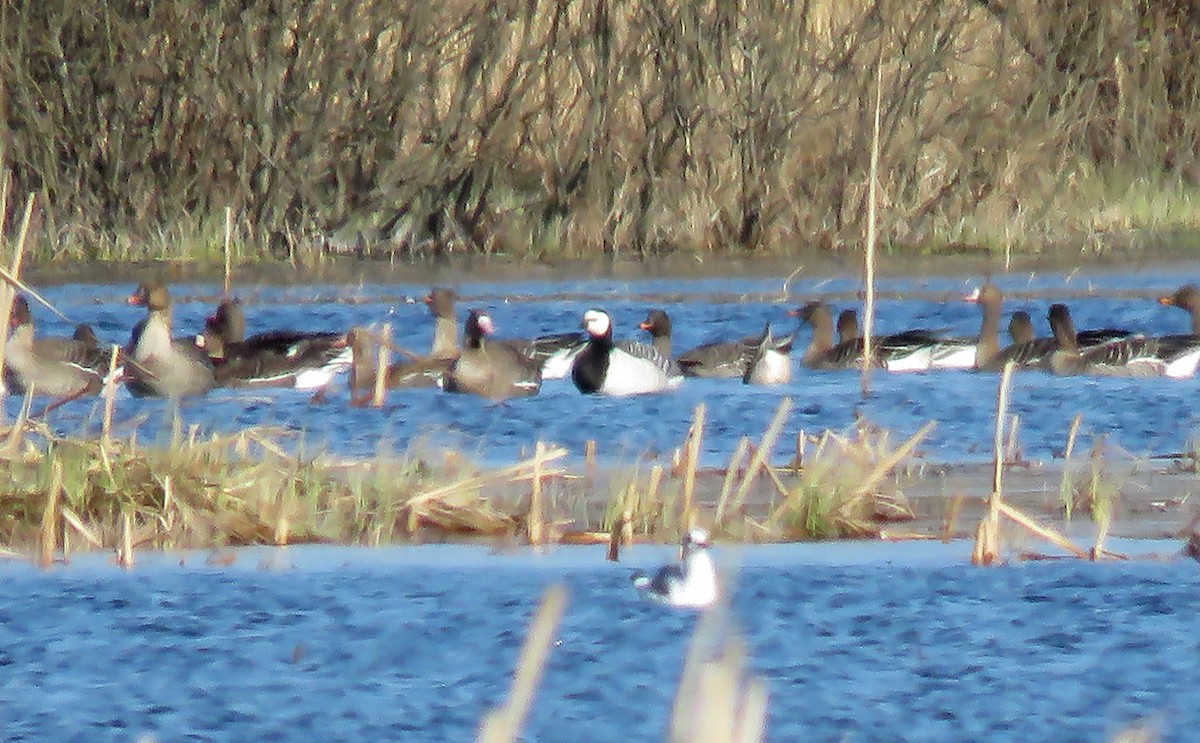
x=548 y=128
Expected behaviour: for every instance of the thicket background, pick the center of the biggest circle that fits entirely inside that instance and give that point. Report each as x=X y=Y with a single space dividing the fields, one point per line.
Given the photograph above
x=578 y=127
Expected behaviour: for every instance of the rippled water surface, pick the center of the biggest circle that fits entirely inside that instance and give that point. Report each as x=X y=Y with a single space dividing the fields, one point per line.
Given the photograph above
x=1144 y=416
x=856 y=642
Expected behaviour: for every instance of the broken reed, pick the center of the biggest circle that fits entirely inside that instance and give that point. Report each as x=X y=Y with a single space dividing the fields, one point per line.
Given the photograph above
x=244 y=488
x=481 y=128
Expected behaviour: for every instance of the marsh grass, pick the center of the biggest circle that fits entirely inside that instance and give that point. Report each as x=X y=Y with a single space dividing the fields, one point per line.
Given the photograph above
x=550 y=129
x=246 y=488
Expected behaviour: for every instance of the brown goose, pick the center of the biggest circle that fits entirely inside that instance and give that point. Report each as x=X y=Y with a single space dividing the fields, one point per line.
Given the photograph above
x=492 y=370
x=165 y=367
x=1186 y=298
x=987 y=347
x=1133 y=356
x=60 y=367
x=847 y=326
x=277 y=358
x=442 y=301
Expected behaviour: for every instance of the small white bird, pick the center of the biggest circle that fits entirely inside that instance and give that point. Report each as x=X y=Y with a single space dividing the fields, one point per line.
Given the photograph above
x=690 y=584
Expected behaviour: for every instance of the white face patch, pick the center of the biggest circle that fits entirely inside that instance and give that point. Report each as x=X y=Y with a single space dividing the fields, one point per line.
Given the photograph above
x=597 y=323
x=486 y=326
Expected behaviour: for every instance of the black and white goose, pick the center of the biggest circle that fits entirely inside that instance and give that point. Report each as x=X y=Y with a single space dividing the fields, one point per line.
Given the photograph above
x=621 y=367
x=689 y=584
x=755 y=359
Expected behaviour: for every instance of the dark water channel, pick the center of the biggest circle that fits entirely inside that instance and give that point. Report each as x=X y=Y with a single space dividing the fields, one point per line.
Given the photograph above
x=856 y=642
x=1144 y=416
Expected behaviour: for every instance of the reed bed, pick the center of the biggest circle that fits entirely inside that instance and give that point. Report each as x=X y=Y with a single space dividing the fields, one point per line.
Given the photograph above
x=167 y=132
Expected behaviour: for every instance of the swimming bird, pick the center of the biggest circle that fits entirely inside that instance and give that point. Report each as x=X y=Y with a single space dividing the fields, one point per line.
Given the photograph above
x=492 y=370
x=891 y=352
x=305 y=360
x=1186 y=298
x=689 y=584
x=746 y=358
x=770 y=361
x=620 y=367
x=1134 y=356
x=165 y=366
x=60 y=367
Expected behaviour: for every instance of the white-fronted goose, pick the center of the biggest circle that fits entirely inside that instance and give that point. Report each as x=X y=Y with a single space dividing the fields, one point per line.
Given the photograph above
x=891 y=352
x=1186 y=298
x=1133 y=356
x=60 y=367
x=276 y=358
x=620 y=368
x=492 y=370
x=165 y=367
x=990 y=300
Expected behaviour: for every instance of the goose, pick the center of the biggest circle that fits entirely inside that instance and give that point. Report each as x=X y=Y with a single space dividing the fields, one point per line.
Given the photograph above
x=990 y=300
x=771 y=360
x=1133 y=356
x=890 y=352
x=277 y=358
x=620 y=368
x=724 y=359
x=67 y=368
x=847 y=326
x=165 y=367
x=690 y=584
x=1186 y=298
x=493 y=370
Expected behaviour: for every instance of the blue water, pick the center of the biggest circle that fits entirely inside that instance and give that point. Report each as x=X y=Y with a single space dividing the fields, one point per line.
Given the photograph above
x=1143 y=416
x=856 y=642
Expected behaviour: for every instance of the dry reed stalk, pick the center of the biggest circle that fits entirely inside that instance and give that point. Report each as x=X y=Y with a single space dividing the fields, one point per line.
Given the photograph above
x=89 y=535
x=735 y=464
x=765 y=446
x=535 y=519
x=687 y=515
x=872 y=228
x=6 y=289
x=889 y=462
x=589 y=458
x=987 y=546
x=125 y=551
x=228 y=250
x=1010 y=449
x=1045 y=532
x=48 y=536
x=16 y=434
x=430 y=498
x=952 y=518
x=1072 y=433
x=616 y=538
x=381 y=364
x=503 y=724
x=110 y=397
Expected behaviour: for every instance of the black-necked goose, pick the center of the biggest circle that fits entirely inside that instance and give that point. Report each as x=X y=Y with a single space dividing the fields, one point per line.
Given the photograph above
x=1133 y=356
x=690 y=584
x=277 y=358
x=492 y=370
x=620 y=368
x=59 y=367
x=164 y=366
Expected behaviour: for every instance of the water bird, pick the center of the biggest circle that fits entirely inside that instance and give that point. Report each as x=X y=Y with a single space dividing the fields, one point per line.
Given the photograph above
x=894 y=352
x=1186 y=298
x=493 y=370
x=165 y=366
x=61 y=367
x=755 y=359
x=623 y=367
x=305 y=360
x=691 y=584
x=1132 y=356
